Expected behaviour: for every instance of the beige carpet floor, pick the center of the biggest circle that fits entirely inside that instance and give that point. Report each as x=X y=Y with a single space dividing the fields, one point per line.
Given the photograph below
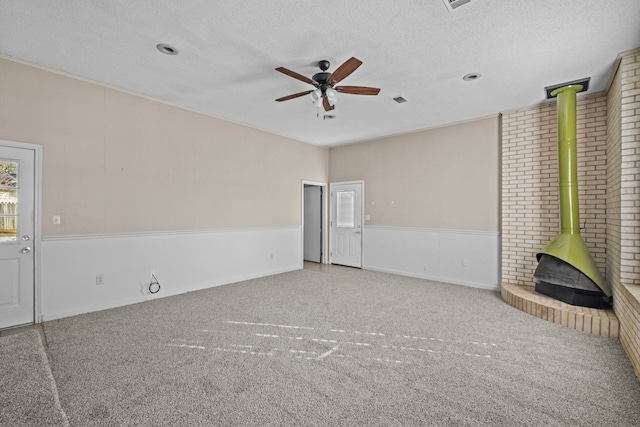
x=316 y=349
x=28 y=393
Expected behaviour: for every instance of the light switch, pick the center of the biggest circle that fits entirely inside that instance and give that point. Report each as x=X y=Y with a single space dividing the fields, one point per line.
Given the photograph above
x=367 y=217
x=56 y=220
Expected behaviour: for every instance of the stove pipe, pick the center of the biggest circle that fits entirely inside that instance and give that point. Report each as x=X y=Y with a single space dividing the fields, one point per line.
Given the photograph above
x=566 y=271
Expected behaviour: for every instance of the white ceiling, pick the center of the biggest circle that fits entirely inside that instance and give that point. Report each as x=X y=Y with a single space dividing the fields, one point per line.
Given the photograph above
x=411 y=48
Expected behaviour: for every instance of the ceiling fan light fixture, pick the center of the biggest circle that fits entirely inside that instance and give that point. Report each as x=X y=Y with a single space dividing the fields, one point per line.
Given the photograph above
x=316 y=96
x=332 y=95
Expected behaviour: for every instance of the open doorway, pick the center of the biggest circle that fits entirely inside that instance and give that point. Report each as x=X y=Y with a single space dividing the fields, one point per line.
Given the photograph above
x=314 y=227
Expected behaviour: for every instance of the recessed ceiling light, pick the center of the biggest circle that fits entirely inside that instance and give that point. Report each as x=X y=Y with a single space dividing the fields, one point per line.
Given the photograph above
x=471 y=76
x=167 y=49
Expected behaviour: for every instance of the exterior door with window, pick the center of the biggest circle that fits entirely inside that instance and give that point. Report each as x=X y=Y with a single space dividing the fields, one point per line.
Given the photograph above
x=17 y=225
x=346 y=224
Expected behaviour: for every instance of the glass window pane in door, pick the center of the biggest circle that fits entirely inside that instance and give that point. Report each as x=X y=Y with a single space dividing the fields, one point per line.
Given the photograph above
x=346 y=209
x=8 y=201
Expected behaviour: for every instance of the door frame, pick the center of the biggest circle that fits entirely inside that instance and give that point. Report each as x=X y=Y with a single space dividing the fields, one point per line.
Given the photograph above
x=37 y=221
x=324 y=220
x=362 y=237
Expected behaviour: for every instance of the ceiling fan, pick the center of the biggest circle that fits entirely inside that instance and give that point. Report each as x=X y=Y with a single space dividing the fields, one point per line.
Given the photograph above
x=325 y=91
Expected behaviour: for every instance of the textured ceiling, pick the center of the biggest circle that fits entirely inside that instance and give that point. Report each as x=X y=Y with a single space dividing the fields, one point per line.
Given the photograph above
x=411 y=48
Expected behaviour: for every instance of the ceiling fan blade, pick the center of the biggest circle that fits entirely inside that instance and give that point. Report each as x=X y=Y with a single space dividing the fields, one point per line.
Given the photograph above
x=295 y=75
x=295 y=95
x=358 y=90
x=349 y=66
x=326 y=105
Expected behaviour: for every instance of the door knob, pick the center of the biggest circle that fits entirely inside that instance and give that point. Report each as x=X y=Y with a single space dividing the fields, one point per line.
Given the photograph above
x=25 y=250
x=357 y=232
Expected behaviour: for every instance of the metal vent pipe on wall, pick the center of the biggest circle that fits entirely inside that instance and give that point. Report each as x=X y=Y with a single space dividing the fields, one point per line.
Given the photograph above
x=566 y=271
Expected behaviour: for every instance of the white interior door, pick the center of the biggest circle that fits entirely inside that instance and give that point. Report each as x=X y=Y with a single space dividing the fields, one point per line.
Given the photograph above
x=17 y=226
x=346 y=224
x=312 y=223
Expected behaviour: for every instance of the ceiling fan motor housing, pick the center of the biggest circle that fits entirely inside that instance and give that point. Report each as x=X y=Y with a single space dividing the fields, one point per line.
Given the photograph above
x=324 y=65
x=321 y=78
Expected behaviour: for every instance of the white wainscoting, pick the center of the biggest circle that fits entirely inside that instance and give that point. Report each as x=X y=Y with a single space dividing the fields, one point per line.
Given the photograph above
x=182 y=261
x=470 y=258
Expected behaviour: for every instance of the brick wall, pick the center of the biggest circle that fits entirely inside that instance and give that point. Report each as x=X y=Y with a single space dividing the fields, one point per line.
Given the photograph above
x=629 y=73
x=608 y=139
x=623 y=200
x=530 y=206
x=614 y=167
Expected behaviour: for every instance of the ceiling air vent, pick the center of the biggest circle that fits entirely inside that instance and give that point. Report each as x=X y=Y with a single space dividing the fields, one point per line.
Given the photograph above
x=453 y=4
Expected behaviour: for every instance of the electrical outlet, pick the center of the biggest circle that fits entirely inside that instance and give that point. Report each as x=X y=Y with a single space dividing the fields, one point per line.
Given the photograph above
x=100 y=279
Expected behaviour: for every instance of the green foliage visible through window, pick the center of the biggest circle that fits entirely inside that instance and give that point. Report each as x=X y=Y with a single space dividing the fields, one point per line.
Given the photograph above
x=8 y=167
x=8 y=201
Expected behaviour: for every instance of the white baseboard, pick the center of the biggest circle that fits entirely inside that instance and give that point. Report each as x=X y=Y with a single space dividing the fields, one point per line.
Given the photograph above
x=469 y=258
x=436 y=279
x=182 y=262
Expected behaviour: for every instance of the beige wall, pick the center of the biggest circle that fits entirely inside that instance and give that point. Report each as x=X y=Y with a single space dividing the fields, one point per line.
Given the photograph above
x=115 y=162
x=442 y=178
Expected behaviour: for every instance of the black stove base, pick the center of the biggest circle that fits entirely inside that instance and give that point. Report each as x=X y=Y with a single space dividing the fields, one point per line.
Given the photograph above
x=574 y=296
